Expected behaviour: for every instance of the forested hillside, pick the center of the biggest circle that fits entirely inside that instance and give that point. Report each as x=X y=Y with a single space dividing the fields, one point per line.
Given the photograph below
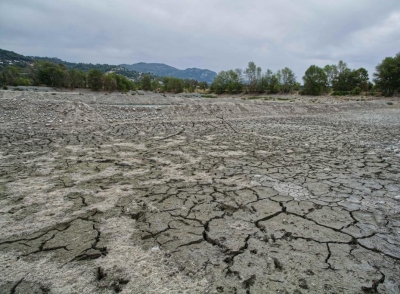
x=163 y=70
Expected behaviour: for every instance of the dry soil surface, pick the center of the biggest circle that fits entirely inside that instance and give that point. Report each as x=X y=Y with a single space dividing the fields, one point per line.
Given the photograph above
x=152 y=193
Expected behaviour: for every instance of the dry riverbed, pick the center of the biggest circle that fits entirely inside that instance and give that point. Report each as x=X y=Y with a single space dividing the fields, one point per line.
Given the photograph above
x=152 y=193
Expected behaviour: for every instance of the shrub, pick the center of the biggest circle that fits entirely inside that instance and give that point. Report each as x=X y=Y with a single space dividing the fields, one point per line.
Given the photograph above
x=5 y=88
x=340 y=93
x=356 y=91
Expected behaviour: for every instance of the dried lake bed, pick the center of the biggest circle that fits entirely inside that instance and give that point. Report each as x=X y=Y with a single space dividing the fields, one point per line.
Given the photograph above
x=152 y=193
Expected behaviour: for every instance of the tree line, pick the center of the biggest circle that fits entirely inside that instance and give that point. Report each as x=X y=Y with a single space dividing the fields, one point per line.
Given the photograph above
x=171 y=84
x=59 y=76
x=338 y=79
x=253 y=80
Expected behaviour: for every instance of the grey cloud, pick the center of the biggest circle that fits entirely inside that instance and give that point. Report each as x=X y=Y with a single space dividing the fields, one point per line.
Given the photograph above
x=214 y=34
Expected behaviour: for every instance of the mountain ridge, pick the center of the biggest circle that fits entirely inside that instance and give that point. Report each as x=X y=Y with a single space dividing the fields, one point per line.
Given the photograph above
x=162 y=69
x=133 y=71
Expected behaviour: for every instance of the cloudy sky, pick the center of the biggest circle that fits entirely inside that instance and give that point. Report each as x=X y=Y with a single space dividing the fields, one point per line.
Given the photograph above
x=213 y=34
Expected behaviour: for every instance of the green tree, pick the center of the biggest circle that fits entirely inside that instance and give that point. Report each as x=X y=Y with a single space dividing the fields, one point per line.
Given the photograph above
x=259 y=81
x=173 y=85
x=203 y=86
x=145 y=82
x=272 y=81
x=315 y=81
x=156 y=85
x=360 y=79
x=95 y=79
x=227 y=81
x=10 y=76
x=251 y=74
x=190 y=85
x=347 y=81
x=342 y=82
x=234 y=81
x=331 y=72
x=77 y=79
x=288 y=80
x=49 y=74
x=110 y=82
x=387 y=75
x=218 y=86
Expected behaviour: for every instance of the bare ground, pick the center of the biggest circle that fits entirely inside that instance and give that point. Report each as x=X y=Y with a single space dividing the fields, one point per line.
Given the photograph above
x=100 y=194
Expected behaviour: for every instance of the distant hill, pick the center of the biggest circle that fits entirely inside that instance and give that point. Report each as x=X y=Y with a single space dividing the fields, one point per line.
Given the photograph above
x=133 y=71
x=160 y=69
x=134 y=75
x=11 y=58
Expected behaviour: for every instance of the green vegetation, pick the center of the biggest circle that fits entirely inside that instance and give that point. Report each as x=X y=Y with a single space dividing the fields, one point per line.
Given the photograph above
x=342 y=80
x=145 y=82
x=228 y=81
x=174 y=85
x=170 y=84
x=315 y=81
x=12 y=76
x=252 y=80
x=58 y=76
x=347 y=80
x=9 y=58
x=387 y=76
x=19 y=70
x=339 y=79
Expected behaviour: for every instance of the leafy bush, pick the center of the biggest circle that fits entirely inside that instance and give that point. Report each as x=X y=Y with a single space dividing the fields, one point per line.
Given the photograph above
x=22 y=82
x=5 y=88
x=356 y=91
x=341 y=93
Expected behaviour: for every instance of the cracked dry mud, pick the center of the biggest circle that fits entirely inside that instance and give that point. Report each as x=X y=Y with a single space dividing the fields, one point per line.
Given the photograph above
x=203 y=196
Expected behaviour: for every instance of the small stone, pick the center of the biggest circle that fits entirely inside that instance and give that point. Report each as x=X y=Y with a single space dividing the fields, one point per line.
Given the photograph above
x=155 y=249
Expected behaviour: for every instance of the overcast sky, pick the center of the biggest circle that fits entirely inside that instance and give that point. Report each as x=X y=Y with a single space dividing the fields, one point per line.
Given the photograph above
x=214 y=34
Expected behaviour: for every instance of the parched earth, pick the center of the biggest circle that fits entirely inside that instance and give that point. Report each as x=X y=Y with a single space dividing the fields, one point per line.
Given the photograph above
x=99 y=194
